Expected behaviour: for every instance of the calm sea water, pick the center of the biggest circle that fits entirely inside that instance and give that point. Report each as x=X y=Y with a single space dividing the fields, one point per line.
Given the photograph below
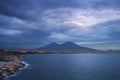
x=70 y=67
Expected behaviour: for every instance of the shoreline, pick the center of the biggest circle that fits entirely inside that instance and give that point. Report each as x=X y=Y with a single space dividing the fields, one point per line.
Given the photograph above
x=14 y=64
x=18 y=72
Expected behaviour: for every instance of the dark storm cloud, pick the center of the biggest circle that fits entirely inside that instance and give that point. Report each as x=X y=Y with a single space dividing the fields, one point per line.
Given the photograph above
x=21 y=8
x=26 y=39
x=9 y=8
x=110 y=30
x=25 y=23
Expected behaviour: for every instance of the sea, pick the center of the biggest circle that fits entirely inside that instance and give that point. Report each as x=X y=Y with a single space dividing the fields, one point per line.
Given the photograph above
x=69 y=67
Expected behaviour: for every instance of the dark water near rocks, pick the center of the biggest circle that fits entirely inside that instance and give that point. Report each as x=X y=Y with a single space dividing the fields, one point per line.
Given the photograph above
x=70 y=67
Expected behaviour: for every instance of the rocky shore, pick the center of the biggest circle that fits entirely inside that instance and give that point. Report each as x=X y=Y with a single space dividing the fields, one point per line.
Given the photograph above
x=12 y=65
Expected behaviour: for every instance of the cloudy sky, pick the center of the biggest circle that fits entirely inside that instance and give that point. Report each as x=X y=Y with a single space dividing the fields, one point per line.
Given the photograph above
x=33 y=23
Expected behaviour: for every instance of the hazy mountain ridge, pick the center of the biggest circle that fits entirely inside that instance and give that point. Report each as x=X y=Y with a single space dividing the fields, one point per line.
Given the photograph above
x=67 y=47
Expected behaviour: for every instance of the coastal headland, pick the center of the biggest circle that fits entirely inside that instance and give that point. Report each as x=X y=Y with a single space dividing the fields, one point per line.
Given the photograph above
x=12 y=64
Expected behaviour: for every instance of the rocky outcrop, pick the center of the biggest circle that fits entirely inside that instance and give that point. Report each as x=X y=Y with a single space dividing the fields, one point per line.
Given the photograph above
x=12 y=65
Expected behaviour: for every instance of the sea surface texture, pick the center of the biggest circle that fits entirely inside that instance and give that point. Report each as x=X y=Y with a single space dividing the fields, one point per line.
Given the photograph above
x=70 y=67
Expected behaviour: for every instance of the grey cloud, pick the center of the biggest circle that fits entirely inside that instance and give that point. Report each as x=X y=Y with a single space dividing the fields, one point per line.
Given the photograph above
x=22 y=8
x=36 y=22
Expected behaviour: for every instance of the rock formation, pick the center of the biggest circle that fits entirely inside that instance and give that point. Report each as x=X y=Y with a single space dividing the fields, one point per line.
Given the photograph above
x=12 y=65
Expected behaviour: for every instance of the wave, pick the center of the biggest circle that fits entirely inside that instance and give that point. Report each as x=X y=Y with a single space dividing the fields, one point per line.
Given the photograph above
x=19 y=72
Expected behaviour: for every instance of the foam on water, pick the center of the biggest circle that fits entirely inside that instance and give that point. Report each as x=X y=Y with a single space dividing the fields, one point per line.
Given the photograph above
x=19 y=72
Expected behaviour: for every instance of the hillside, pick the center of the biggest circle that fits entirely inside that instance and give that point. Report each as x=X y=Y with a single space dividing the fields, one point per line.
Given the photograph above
x=67 y=47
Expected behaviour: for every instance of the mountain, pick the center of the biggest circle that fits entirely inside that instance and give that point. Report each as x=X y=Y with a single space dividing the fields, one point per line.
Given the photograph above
x=67 y=47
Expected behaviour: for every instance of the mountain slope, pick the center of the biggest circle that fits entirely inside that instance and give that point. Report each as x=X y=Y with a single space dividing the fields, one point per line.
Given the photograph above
x=66 y=47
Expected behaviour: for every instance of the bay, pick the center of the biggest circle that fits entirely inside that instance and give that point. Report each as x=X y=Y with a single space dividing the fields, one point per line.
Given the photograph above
x=70 y=67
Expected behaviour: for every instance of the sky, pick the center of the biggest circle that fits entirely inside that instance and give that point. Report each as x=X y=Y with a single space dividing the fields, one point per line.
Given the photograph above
x=27 y=24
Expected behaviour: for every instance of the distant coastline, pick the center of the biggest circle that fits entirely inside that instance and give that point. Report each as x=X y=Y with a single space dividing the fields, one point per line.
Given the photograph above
x=11 y=59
